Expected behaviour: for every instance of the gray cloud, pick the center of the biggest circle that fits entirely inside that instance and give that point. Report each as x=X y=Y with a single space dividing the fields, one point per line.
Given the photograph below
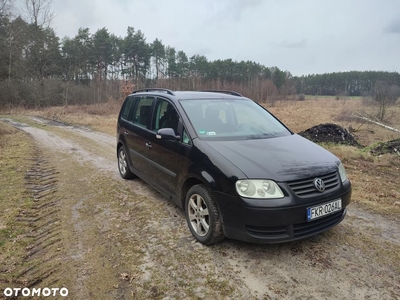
x=294 y=44
x=236 y=8
x=393 y=27
x=303 y=37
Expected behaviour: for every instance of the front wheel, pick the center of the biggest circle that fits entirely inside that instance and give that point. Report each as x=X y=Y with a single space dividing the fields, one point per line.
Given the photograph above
x=123 y=165
x=203 y=216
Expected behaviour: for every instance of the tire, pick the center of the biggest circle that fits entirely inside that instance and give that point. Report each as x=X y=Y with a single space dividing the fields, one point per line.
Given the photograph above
x=123 y=165
x=202 y=216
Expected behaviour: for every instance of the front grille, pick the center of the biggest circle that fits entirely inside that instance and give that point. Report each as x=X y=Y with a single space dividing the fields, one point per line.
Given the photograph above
x=296 y=231
x=308 y=228
x=306 y=188
x=268 y=232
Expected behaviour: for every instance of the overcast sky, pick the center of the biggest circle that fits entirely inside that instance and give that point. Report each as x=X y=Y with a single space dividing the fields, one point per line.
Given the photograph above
x=301 y=36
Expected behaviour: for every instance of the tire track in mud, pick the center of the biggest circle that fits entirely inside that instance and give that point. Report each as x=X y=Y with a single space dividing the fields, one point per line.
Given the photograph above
x=39 y=267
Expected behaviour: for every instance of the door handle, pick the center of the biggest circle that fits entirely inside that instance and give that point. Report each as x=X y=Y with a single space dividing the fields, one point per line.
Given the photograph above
x=126 y=133
x=148 y=145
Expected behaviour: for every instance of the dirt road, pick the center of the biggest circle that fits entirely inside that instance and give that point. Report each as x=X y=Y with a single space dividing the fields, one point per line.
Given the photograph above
x=106 y=238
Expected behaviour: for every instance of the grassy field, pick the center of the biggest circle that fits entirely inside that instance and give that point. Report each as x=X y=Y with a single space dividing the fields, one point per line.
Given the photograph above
x=375 y=178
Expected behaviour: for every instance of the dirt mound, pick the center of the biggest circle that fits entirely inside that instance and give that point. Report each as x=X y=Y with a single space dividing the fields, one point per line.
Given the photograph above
x=392 y=146
x=330 y=133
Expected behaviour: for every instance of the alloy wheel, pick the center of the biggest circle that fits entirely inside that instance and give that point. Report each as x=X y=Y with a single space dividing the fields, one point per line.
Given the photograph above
x=122 y=162
x=199 y=216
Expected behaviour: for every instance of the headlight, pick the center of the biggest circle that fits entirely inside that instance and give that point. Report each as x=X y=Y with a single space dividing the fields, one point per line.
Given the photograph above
x=342 y=172
x=258 y=188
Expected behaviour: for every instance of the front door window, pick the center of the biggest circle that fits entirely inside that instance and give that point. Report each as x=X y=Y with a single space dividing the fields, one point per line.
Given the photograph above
x=165 y=116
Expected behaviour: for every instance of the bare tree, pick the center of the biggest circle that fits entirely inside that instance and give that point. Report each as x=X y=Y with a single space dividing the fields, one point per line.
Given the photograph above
x=385 y=95
x=8 y=35
x=41 y=51
x=5 y=7
x=38 y=12
x=13 y=31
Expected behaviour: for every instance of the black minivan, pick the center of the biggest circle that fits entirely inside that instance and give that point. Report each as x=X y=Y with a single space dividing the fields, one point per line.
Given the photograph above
x=233 y=167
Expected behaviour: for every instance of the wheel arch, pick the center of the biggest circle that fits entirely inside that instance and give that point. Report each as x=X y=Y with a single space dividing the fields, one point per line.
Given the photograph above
x=119 y=145
x=189 y=182
x=197 y=177
x=121 y=142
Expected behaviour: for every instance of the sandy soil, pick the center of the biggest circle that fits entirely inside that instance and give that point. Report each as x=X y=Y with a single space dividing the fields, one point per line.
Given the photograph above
x=123 y=240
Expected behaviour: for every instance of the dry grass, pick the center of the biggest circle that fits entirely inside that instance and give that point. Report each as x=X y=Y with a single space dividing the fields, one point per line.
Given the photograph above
x=375 y=180
x=301 y=115
x=15 y=154
x=101 y=116
x=297 y=115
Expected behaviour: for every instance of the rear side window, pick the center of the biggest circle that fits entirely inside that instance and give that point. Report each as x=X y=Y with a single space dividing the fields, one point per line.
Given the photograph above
x=127 y=109
x=142 y=113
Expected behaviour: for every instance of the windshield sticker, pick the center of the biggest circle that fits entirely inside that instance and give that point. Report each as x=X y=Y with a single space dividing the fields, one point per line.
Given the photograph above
x=202 y=131
x=211 y=133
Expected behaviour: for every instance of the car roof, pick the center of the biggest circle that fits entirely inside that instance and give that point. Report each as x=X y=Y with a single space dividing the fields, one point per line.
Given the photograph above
x=180 y=95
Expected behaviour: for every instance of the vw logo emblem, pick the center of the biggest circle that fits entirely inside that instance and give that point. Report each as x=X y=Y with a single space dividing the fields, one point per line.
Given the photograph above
x=319 y=184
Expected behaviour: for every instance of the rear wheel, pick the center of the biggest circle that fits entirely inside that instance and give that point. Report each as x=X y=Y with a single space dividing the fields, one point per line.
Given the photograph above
x=123 y=165
x=203 y=216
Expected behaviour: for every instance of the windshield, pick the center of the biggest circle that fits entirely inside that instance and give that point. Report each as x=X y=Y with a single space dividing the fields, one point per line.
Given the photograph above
x=232 y=119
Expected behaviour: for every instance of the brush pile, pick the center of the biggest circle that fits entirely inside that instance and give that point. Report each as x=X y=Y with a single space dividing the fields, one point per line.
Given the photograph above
x=392 y=146
x=330 y=133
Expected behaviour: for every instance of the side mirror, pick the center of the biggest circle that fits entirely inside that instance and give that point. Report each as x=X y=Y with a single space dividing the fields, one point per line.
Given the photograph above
x=167 y=134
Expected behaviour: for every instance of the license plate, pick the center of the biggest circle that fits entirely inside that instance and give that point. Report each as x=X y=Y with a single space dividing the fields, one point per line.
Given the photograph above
x=323 y=210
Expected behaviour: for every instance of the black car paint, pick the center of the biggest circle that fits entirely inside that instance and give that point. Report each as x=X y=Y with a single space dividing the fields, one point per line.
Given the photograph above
x=168 y=165
x=287 y=158
x=237 y=212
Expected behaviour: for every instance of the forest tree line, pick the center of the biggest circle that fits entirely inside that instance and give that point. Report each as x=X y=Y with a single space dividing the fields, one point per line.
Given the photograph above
x=354 y=83
x=37 y=68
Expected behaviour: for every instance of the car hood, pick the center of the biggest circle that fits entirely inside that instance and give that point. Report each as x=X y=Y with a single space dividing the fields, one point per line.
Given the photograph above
x=281 y=159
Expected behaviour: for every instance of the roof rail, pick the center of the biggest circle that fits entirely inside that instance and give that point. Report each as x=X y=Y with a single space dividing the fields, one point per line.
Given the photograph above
x=223 y=92
x=155 y=90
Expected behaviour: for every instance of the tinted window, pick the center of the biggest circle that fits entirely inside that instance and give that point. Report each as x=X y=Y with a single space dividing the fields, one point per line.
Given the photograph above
x=232 y=119
x=128 y=107
x=165 y=116
x=142 y=113
x=186 y=138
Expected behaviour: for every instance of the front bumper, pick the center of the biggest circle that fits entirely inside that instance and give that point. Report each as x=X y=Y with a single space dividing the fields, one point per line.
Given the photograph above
x=245 y=221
